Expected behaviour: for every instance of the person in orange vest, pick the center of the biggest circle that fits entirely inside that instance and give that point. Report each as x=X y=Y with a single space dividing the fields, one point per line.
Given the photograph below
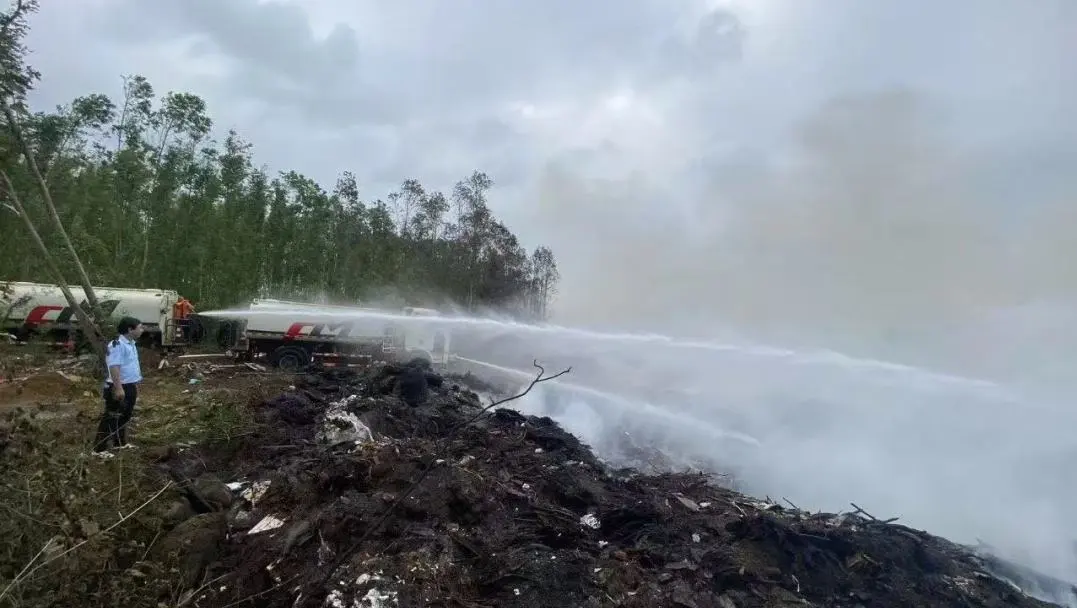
x=181 y=315
x=182 y=309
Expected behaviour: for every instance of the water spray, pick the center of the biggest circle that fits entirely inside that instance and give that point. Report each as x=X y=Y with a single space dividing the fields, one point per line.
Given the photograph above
x=964 y=458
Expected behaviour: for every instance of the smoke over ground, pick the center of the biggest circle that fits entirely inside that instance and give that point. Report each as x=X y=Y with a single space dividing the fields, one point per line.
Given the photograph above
x=875 y=233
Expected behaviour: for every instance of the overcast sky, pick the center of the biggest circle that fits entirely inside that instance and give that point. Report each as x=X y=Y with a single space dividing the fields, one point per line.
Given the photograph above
x=861 y=169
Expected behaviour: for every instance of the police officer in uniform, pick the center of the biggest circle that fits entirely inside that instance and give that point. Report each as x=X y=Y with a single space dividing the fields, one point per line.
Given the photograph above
x=123 y=373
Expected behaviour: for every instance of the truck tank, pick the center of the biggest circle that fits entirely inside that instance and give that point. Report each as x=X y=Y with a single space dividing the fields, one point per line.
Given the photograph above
x=40 y=308
x=300 y=331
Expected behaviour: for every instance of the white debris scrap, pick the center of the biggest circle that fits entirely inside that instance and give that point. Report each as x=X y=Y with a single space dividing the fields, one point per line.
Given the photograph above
x=378 y=599
x=269 y=522
x=255 y=493
x=335 y=599
x=373 y=598
x=590 y=521
x=342 y=426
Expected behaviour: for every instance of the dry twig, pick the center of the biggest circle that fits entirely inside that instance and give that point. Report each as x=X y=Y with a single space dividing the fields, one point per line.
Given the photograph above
x=25 y=574
x=871 y=517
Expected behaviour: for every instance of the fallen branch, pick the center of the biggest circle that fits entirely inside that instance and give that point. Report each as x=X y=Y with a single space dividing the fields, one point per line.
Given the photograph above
x=22 y=576
x=19 y=576
x=873 y=519
x=197 y=592
x=539 y=378
x=738 y=508
x=261 y=593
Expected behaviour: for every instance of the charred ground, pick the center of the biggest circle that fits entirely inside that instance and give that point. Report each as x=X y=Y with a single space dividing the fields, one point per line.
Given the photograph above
x=512 y=511
x=517 y=512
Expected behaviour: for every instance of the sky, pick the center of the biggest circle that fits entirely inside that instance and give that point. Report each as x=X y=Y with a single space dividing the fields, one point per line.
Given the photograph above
x=887 y=178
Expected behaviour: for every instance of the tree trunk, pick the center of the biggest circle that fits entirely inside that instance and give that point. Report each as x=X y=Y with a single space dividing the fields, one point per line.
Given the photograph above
x=84 y=278
x=89 y=329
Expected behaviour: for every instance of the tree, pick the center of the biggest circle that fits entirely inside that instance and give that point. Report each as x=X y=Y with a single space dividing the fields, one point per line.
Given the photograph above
x=544 y=278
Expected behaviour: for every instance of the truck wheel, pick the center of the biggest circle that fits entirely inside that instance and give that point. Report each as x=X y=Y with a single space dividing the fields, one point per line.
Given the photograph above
x=197 y=331
x=227 y=334
x=290 y=358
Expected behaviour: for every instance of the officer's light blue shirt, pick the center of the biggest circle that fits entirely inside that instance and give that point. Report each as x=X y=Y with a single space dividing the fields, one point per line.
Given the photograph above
x=123 y=352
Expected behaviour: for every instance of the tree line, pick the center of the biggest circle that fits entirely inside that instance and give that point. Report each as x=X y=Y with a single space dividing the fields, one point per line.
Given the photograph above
x=142 y=196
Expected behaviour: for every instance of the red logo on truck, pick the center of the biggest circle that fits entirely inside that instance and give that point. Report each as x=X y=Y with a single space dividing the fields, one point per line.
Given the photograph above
x=38 y=314
x=330 y=330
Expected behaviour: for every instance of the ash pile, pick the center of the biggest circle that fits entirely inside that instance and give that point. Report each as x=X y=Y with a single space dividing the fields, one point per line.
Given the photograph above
x=350 y=494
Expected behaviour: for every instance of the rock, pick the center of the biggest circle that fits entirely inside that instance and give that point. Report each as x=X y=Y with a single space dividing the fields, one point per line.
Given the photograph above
x=214 y=492
x=178 y=512
x=724 y=601
x=298 y=534
x=193 y=545
x=241 y=520
x=160 y=453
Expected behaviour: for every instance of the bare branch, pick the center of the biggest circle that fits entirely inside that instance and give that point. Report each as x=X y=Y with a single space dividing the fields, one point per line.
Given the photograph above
x=874 y=520
x=27 y=574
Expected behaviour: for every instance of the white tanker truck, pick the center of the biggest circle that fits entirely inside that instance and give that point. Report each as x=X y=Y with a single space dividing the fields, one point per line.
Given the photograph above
x=292 y=334
x=29 y=309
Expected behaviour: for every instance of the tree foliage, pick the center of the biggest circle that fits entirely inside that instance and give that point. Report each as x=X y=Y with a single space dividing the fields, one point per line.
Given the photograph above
x=150 y=200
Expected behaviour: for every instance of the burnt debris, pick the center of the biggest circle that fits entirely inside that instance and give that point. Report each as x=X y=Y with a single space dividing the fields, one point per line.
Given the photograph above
x=512 y=511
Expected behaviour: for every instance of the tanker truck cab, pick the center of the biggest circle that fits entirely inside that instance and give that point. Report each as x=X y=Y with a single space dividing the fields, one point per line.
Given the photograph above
x=426 y=339
x=432 y=346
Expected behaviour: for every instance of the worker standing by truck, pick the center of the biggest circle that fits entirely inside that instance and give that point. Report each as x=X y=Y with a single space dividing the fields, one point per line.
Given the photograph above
x=123 y=374
x=181 y=314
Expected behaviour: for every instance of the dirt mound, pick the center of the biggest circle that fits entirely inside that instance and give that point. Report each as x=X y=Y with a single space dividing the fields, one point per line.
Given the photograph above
x=514 y=511
x=41 y=387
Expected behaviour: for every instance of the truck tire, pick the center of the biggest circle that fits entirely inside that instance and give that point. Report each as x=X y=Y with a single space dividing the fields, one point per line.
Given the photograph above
x=290 y=358
x=227 y=334
x=197 y=329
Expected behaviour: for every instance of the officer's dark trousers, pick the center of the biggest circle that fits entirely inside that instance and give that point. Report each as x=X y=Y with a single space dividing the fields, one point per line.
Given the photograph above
x=113 y=426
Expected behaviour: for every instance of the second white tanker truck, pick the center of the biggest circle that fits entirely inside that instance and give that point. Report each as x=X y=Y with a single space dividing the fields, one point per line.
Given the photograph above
x=292 y=334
